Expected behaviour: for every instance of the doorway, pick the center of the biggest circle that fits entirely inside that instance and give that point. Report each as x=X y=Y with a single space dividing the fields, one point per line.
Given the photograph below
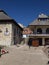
x=47 y=41
x=40 y=41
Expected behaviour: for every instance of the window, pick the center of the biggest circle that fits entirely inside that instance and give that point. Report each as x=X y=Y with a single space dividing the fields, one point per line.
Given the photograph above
x=39 y=31
x=42 y=19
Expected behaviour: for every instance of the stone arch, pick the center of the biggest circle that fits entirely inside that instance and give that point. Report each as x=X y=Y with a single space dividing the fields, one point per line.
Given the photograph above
x=47 y=31
x=39 y=31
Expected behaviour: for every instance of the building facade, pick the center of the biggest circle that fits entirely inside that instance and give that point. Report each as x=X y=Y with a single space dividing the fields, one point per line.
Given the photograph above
x=40 y=28
x=10 y=31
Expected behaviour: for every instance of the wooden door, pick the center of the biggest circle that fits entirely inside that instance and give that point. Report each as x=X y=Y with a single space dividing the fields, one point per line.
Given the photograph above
x=35 y=43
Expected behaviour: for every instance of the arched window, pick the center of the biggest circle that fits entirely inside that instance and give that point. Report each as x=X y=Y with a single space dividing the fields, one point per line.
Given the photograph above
x=47 y=31
x=39 y=31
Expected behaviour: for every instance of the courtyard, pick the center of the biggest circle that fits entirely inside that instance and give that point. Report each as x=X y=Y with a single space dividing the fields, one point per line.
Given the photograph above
x=24 y=55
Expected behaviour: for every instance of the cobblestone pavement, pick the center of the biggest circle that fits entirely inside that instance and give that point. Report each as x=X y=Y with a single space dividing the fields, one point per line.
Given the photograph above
x=24 y=56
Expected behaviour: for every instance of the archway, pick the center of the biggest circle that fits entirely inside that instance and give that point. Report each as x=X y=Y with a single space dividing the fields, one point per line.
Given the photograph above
x=46 y=41
x=40 y=41
x=39 y=31
x=47 y=31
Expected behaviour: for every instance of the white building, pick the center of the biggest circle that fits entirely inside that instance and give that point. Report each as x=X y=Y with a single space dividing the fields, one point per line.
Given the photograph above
x=40 y=28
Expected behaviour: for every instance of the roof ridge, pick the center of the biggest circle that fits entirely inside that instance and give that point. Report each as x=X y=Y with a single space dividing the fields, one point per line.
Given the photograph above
x=3 y=11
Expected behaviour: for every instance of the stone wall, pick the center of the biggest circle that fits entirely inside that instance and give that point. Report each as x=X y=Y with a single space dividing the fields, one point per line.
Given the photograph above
x=5 y=36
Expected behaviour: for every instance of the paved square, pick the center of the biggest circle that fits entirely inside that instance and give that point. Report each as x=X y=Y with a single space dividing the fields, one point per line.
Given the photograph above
x=24 y=56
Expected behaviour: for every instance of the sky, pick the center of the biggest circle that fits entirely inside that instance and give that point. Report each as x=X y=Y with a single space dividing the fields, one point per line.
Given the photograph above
x=25 y=11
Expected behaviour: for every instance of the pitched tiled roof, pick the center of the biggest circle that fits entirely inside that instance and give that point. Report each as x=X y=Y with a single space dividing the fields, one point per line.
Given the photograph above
x=38 y=21
x=4 y=16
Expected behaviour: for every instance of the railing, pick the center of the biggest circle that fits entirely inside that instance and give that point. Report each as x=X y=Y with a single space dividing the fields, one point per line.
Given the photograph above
x=38 y=34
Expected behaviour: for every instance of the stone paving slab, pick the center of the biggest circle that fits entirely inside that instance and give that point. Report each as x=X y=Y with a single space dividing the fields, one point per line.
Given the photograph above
x=24 y=56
